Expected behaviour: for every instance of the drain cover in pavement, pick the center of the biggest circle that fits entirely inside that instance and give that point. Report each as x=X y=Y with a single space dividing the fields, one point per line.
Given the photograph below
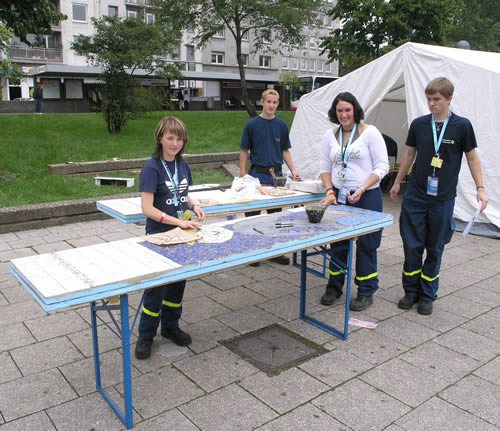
x=274 y=348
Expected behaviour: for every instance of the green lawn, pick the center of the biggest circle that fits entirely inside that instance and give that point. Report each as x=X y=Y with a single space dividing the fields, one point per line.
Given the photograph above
x=29 y=143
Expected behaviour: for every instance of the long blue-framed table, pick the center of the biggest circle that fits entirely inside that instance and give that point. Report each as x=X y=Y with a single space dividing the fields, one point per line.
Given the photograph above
x=96 y=273
x=214 y=203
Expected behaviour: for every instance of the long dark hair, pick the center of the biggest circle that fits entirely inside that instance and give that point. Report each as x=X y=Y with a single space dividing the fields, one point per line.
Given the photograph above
x=349 y=98
x=174 y=126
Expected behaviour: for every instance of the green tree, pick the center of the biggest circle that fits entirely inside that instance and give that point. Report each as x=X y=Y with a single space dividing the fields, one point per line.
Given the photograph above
x=120 y=47
x=7 y=70
x=281 y=20
x=478 y=22
x=288 y=81
x=29 y=16
x=370 y=28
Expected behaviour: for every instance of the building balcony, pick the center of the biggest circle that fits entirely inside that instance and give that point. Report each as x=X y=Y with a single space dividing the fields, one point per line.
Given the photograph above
x=41 y=55
x=139 y=2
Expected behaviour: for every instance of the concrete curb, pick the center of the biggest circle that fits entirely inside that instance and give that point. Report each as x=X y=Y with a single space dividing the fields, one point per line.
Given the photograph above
x=37 y=216
x=196 y=161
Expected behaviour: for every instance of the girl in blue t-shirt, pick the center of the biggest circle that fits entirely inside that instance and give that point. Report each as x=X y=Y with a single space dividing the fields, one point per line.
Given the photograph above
x=164 y=185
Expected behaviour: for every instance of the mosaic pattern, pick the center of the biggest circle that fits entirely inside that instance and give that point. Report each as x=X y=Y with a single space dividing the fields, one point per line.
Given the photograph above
x=254 y=234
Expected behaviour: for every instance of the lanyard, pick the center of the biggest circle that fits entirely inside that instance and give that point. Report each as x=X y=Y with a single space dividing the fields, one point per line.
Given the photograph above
x=175 y=183
x=437 y=142
x=345 y=151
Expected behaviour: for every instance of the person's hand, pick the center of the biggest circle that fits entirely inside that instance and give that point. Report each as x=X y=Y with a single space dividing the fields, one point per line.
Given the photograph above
x=296 y=176
x=356 y=196
x=482 y=197
x=394 y=192
x=199 y=212
x=188 y=224
x=330 y=199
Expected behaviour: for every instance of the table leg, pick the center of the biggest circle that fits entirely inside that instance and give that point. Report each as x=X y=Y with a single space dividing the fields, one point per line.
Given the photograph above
x=124 y=333
x=303 y=292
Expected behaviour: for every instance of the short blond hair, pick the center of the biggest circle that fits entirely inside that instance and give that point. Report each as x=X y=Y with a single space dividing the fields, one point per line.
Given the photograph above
x=269 y=91
x=440 y=85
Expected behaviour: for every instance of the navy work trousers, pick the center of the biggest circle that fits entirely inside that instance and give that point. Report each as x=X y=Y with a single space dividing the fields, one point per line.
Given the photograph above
x=428 y=225
x=366 y=253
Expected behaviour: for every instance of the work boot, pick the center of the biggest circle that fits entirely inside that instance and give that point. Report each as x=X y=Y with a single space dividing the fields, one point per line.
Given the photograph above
x=361 y=303
x=424 y=308
x=329 y=298
x=281 y=260
x=177 y=335
x=143 y=348
x=406 y=302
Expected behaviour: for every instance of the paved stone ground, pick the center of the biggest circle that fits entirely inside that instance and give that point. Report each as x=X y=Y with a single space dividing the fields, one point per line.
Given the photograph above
x=438 y=372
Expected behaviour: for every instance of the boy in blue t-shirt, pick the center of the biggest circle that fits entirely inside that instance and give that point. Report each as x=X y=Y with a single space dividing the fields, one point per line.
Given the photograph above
x=266 y=138
x=436 y=143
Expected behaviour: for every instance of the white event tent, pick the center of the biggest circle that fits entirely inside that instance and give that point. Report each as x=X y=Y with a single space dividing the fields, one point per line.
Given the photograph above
x=391 y=91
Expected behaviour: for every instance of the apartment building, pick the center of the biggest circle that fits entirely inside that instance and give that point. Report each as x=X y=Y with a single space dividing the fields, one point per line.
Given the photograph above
x=210 y=75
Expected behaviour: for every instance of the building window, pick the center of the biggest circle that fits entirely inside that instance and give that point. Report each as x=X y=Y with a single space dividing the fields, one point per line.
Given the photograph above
x=284 y=62
x=244 y=58
x=132 y=13
x=176 y=52
x=76 y=38
x=217 y=57
x=304 y=42
x=244 y=34
x=112 y=10
x=51 y=88
x=294 y=64
x=189 y=52
x=220 y=32
x=265 y=61
x=191 y=67
x=329 y=23
x=312 y=65
x=303 y=64
x=312 y=42
x=320 y=65
x=73 y=88
x=149 y=18
x=328 y=67
x=79 y=12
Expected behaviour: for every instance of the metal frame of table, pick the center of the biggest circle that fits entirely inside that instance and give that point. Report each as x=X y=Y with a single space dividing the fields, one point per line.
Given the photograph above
x=318 y=242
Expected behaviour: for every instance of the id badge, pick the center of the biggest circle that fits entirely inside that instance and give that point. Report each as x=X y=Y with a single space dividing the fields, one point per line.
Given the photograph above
x=436 y=162
x=432 y=186
x=342 y=195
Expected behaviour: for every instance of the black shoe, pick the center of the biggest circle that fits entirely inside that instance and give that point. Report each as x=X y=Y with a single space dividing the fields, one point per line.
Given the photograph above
x=143 y=348
x=361 y=303
x=177 y=335
x=406 y=302
x=424 y=308
x=281 y=260
x=255 y=264
x=329 y=298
